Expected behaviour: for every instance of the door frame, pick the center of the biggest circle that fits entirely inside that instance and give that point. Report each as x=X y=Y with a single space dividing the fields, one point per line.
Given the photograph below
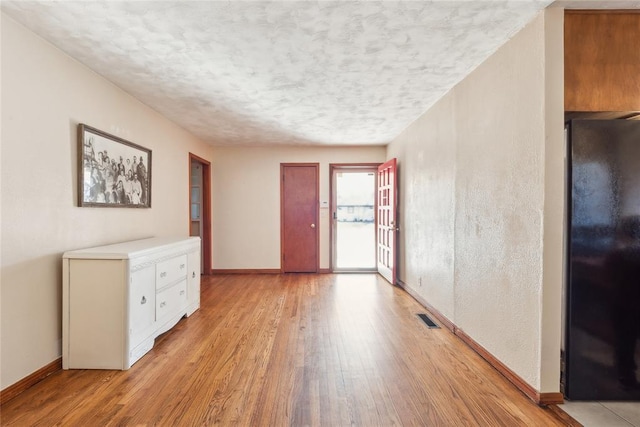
x=336 y=167
x=282 y=224
x=205 y=215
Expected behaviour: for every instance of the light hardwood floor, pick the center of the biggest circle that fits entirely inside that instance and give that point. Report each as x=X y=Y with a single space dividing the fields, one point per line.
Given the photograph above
x=298 y=350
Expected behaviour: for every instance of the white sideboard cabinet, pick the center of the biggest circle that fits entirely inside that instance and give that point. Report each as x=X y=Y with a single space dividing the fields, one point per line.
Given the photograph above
x=117 y=299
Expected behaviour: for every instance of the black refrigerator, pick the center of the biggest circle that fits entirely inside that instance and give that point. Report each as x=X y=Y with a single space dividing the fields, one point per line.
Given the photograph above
x=603 y=276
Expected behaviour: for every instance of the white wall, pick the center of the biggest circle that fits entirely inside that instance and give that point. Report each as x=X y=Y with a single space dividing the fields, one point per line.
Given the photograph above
x=246 y=200
x=554 y=215
x=45 y=94
x=1 y=38
x=480 y=181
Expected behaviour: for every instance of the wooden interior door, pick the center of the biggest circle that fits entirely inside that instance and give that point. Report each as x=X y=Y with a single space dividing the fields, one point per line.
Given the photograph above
x=387 y=223
x=299 y=217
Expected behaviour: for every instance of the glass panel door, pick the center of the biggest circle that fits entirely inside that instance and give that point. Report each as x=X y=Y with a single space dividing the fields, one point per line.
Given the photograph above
x=195 y=211
x=353 y=219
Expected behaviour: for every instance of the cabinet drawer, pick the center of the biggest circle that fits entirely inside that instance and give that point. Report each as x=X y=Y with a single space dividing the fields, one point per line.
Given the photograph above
x=171 y=300
x=170 y=271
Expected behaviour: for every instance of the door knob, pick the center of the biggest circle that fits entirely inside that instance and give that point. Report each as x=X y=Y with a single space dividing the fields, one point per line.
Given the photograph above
x=313 y=226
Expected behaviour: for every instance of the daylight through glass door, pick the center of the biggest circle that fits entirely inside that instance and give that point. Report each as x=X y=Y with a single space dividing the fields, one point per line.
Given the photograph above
x=354 y=220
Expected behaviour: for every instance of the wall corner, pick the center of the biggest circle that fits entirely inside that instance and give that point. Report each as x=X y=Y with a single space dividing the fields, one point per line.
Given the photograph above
x=553 y=256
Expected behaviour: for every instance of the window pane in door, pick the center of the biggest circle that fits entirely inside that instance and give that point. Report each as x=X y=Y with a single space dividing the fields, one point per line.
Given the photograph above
x=355 y=220
x=195 y=194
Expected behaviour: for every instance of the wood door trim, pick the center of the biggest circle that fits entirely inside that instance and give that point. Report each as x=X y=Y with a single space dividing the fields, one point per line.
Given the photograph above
x=600 y=11
x=205 y=219
x=282 y=167
x=354 y=167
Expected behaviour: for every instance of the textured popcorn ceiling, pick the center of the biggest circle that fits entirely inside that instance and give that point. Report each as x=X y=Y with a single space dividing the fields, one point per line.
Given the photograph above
x=284 y=72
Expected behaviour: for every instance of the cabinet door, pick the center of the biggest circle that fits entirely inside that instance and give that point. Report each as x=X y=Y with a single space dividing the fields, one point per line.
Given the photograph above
x=193 y=279
x=142 y=294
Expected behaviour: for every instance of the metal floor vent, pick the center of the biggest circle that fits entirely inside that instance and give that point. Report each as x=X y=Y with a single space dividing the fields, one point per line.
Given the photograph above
x=427 y=320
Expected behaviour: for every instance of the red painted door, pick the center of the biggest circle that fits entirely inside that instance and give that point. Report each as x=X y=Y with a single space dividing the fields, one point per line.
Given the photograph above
x=299 y=218
x=387 y=224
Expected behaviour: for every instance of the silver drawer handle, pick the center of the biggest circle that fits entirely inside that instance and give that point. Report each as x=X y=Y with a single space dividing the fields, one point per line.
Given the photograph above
x=163 y=274
x=162 y=304
x=181 y=292
x=143 y=301
x=181 y=266
x=194 y=275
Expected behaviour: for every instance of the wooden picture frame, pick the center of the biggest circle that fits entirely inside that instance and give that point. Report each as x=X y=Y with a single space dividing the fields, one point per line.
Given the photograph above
x=112 y=172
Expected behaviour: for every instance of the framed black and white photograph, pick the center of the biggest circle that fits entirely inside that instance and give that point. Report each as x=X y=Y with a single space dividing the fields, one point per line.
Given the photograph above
x=112 y=172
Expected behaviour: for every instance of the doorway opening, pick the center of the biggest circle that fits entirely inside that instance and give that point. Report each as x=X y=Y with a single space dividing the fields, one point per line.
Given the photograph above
x=353 y=217
x=200 y=207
